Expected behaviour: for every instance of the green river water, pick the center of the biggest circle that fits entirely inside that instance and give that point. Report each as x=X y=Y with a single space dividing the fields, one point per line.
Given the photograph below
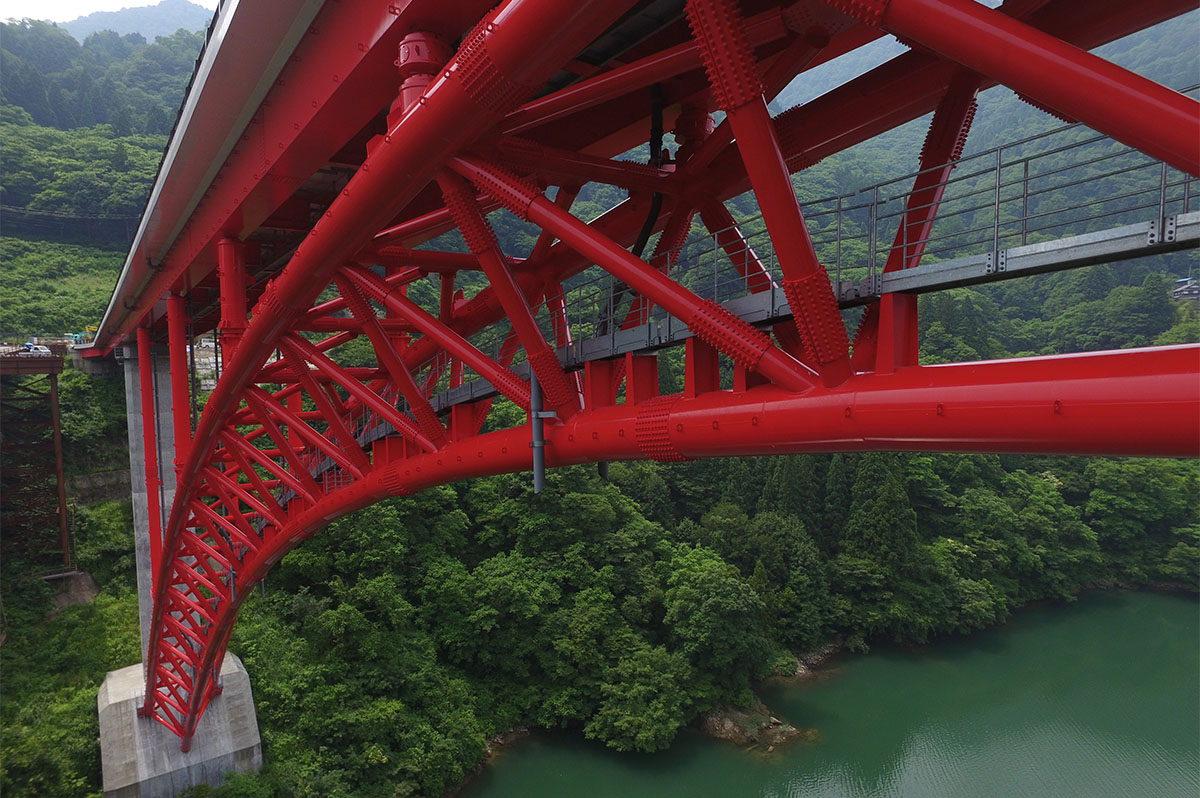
x=1097 y=698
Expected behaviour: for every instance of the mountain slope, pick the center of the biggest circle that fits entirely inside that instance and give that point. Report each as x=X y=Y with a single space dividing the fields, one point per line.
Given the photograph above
x=150 y=21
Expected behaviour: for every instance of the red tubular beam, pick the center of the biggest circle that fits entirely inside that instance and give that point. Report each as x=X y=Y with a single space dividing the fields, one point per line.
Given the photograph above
x=285 y=443
x=1136 y=111
x=231 y=271
x=798 y=57
x=150 y=448
x=560 y=167
x=481 y=240
x=420 y=229
x=1132 y=402
x=427 y=261
x=372 y=400
x=181 y=401
x=390 y=359
x=912 y=84
x=270 y=508
x=1139 y=402
x=666 y=252
x=342 y=447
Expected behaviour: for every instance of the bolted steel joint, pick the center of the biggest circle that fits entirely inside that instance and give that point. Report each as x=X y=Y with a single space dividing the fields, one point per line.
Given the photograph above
x=421 y=55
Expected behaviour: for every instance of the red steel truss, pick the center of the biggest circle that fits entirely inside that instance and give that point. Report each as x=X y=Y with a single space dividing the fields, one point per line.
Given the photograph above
x=445 y=112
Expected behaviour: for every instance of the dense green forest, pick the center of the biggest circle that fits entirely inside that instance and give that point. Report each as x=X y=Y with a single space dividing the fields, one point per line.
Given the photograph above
x=384 y=651
x=84 y=127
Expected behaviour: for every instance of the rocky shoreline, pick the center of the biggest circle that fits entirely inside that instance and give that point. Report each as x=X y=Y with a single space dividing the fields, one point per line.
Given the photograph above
x=755 y=727
x=758 y=726
x=810 y=662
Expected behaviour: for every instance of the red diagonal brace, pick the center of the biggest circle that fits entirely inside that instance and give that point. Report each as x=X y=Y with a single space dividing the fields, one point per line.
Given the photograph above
x=724 y=228
x=713 y=323
x=1105 y=97
x=350 y=454
x=390 y=359
x=403 y=424
x=298 y=473
x=734 y=77
x=315 y=439
x=481 y=240
x=896 y=343
x=269 y=508
x=666 y=252
x=501 y=378
x=563 y=166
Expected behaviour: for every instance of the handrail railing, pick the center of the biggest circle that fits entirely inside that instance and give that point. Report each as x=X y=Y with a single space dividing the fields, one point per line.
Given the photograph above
x=1050 y=185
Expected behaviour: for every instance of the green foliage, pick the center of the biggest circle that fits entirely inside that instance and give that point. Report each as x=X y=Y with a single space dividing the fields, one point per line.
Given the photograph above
x=644 y=701
x=717 y=620
x=104 y=543
x=93 y=421
x=107 y=79
x=85 y=171
x=53 y=289
x=52 y=670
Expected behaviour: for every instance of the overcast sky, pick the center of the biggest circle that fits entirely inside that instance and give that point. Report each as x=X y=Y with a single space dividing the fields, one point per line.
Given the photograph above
x=66 y=10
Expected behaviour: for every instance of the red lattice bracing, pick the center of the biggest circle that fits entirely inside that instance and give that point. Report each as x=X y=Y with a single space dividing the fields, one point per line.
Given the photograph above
x=517 y=108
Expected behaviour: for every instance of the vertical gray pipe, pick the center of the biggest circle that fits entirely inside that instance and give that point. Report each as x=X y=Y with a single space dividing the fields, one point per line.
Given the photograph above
x=539 y=440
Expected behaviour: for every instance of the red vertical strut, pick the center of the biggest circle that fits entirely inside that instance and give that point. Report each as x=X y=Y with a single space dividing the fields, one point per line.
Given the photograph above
x=181 y=410
x=896 y=325
x=231 y=271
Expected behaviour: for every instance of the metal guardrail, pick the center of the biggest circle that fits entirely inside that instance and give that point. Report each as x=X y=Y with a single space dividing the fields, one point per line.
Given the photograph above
x=1065 y=183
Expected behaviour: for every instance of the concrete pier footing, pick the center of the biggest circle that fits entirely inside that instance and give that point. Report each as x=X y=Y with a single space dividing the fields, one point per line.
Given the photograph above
x=140 y=757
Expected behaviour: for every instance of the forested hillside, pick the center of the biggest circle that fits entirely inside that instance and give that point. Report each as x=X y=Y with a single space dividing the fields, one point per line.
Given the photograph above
x=84 y=128
x=162 y=19
x=384 y=651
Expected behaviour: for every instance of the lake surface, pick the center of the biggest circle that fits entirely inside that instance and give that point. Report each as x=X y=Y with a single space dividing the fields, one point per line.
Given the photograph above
x=1097 y=698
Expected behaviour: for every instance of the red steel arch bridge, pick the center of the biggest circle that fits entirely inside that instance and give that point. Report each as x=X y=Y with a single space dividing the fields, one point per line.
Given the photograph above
x=326 y=149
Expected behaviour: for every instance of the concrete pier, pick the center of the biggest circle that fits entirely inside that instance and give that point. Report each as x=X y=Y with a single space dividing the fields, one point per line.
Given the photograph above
x=165 y=436
x=140 y=757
